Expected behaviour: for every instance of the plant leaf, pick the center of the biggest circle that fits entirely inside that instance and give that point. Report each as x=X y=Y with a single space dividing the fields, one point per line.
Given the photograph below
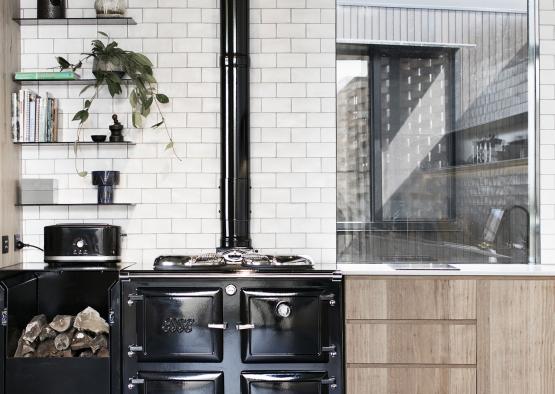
x=64 y=64
x=81 y=116
x=169 y=145
x=82 y=174
x=137 y=120
x=133 y=99
x=162 y=98
x=88 y=104
x=103 y=34
x=155 y=126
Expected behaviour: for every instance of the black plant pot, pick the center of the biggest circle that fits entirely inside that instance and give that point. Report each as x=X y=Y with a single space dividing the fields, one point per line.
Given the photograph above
x=51 y=9
x=105 y=180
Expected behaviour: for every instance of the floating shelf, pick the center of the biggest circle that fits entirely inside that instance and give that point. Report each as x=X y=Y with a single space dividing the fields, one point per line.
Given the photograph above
x=85 y=204
x=60 y=81
x=125 y=143
x=480 y=166
x=75 y=21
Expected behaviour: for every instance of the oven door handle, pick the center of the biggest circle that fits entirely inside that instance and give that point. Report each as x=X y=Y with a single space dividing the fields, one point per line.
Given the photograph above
x=218 y=326
x=329 y=382
x=242 y=327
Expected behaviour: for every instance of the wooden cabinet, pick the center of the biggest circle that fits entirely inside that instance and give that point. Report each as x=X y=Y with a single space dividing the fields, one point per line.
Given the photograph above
x=516 y=336
x=424 y=335
x=10 y=159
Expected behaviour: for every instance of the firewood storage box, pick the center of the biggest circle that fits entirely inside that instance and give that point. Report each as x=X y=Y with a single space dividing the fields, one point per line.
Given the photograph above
x=24 y=294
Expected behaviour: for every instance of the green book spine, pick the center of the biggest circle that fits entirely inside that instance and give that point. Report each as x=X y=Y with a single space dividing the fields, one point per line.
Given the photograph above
x=52 y=76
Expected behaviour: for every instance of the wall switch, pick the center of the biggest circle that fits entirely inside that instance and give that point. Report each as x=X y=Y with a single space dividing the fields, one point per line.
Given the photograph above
x=5 y=244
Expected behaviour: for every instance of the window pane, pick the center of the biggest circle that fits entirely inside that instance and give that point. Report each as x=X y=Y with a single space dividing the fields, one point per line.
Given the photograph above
x=432 y=132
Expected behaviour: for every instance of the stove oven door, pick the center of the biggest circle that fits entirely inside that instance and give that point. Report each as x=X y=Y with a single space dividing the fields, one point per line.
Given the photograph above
x=178 y=324
x=285 y=325
x=178 y=383
x=285 y=383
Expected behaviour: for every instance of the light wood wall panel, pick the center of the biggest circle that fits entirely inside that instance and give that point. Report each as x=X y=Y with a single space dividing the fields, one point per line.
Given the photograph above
x=410 y=298
x=412 y=380
x=10 y=157
x=516 y=337
x=406 y=342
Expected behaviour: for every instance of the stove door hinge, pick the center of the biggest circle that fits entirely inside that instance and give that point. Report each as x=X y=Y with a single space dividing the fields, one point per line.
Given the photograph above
x=132 y=298
x=4 y=318
x=328 y=297
x=111 y=317
x=133 y=382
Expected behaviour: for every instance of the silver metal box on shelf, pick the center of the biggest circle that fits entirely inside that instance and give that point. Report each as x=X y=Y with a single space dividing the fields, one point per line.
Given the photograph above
x=38 y=191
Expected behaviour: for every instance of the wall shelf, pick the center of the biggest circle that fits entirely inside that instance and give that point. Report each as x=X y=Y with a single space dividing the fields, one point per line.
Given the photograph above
x=125 y=143
x=76 y=21
x=87 y=81
x=479 y=166
x=85 y=204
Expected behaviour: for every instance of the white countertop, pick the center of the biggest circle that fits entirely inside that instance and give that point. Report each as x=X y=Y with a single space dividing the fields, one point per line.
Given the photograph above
x=464 y=270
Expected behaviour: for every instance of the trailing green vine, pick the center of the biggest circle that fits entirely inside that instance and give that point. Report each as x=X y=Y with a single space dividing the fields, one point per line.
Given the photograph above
x=139 y=70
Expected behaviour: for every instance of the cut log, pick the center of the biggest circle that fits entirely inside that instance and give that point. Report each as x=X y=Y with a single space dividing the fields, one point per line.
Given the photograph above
x=86 y=354
x=99 y=342
x=90 y=320
x=47 y=333
x=23 y=348
x=81 y=340
x=34 y=327
x=103 y=353
x=62 y=323
x=63 y=340
x=46 y=349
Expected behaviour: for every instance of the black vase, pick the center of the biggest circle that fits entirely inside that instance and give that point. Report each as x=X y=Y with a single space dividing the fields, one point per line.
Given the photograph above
x=105 y=180
x=51 y=9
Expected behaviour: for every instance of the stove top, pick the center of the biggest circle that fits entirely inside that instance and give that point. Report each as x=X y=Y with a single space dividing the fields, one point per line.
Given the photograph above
x=233 y=260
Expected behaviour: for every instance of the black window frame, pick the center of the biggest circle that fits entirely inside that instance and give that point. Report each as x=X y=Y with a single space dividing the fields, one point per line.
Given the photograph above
x=374 y=52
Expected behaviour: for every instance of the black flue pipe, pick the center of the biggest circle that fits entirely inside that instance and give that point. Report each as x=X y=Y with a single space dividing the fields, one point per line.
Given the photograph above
x=235 y=125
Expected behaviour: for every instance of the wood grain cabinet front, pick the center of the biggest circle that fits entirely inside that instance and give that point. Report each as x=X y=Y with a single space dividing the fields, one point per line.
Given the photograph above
x=445 y=335
x=411 y=336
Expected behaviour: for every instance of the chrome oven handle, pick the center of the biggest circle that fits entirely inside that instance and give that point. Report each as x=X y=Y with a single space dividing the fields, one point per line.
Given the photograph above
x=242 y=327
x=329 y=382
x=217 y=326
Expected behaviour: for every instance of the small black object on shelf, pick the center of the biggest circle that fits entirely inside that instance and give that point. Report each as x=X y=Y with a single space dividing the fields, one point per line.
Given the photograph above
x=105 y=180
x=51 y=9
x=98 y=138
x=116 y=130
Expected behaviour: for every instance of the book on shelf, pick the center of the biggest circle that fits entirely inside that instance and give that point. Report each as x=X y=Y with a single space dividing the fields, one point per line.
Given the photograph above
x=34 y=118
x=46 y=76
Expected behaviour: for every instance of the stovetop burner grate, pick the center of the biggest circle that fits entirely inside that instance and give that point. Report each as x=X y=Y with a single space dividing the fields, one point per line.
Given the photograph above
x=233 y=260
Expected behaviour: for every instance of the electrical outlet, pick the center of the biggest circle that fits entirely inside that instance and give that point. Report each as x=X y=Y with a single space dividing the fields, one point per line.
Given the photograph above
x=16 y=239
x=5 y=244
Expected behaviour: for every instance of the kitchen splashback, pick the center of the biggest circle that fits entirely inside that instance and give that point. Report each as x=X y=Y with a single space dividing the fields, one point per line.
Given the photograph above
x=292 y=136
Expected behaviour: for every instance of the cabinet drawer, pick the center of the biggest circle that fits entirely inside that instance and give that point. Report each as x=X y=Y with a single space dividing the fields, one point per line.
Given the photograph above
x=408 y=298
x=404 y=380
x=411 y=343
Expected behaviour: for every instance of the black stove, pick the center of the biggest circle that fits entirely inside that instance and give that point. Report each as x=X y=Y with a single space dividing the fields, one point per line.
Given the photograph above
x=234 y=260
x=235 y=322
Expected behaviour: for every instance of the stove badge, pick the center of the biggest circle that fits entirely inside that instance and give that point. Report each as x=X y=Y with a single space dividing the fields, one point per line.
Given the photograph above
x=176 y=325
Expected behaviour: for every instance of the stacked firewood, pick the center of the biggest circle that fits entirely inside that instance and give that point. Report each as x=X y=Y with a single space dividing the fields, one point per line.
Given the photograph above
x=84 y=335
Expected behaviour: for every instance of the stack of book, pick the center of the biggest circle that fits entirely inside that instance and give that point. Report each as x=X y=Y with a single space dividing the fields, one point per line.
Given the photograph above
x=34 y=118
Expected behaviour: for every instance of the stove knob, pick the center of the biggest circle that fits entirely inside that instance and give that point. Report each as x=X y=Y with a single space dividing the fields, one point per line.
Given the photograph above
x=283 y=309
x=230 y=290
x=80 y=243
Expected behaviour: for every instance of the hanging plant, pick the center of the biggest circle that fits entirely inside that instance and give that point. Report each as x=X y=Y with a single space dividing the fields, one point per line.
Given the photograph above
x=110 y=65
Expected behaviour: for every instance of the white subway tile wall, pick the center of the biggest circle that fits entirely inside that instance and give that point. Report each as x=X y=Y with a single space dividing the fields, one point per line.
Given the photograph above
x=547 y=129
x=293 y=129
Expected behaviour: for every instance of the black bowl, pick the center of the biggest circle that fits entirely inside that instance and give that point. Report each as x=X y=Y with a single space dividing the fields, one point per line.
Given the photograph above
x=98 y=138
